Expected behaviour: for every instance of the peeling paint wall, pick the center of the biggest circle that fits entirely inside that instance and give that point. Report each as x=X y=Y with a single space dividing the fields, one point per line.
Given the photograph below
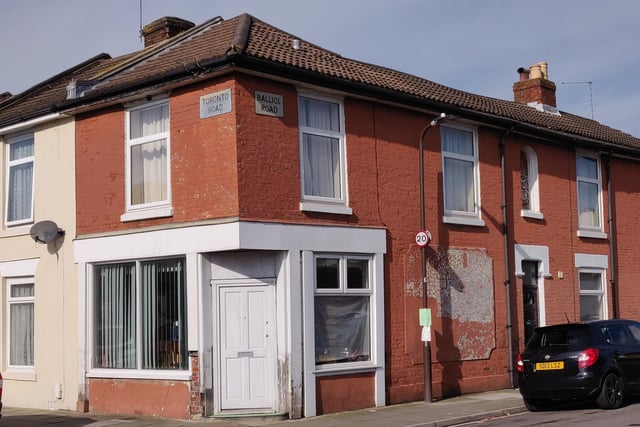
x=461 y=282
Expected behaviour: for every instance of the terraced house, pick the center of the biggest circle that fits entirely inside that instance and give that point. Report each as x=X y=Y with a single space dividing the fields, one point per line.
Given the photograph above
x=240 y=213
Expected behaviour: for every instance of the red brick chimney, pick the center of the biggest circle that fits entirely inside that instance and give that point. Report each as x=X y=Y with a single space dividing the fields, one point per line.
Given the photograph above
x=163 y=29
x=534 y=87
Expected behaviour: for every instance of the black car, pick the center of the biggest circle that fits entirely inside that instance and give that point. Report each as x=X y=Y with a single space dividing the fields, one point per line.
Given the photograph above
x=597 y=360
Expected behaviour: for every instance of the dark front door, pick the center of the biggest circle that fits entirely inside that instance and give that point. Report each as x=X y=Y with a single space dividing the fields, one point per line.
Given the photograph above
x=530 y=297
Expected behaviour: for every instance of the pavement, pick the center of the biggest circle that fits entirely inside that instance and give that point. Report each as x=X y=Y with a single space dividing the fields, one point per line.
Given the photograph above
x=447 y=412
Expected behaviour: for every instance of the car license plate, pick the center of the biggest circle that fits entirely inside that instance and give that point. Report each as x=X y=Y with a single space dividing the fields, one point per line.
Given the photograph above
x=549 y=366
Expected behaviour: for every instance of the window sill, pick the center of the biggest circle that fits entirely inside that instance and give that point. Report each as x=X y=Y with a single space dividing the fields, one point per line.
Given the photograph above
x=339 y=209
x=17 y=374
x=345 y=368
x=592 y=234
x=22 y=223
x=155 y=212
x=182 y=375
x=461 y=220
x=525 y=213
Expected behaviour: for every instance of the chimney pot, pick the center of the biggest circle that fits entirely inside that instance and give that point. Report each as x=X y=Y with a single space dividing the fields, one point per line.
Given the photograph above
x=544 y=70
x=534 y=88
x=524 y=73
x=163 y=29
x=535 y=72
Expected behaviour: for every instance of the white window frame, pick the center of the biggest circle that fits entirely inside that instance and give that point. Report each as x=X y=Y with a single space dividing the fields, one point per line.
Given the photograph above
x=337 y=205
x=162 y=208
x=596 y=232
x=533 y=183
x=13 y=163
x=456 y=216
x=600 y=292
x=138 y=372
x=24 y=369
x=343 y=290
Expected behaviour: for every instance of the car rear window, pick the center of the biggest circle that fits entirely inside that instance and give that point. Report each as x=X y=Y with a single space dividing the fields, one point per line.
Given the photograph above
x=578 y=337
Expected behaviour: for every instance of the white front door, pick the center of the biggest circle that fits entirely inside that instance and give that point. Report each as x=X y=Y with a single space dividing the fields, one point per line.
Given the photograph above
x=246 y=344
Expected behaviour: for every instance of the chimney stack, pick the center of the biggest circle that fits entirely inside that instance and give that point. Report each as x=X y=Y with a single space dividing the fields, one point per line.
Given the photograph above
x=535 y=89
x=163 y=29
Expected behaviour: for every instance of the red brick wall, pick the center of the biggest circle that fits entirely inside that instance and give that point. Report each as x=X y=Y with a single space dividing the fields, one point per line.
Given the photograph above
x=558 y=229
x=100 y=188
x=626 y=204
x=203 y=165
x=152 y=398
x=247 y=165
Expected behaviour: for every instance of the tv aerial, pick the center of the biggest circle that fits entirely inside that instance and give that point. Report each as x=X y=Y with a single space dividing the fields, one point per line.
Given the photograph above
x=45 y=231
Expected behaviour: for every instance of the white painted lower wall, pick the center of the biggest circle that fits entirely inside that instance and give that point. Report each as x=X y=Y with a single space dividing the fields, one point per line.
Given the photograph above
x=209 y=250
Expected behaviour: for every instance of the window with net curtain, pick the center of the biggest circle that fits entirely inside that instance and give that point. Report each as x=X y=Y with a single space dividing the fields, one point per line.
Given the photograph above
x=459 y=162
x=321 y=145
x=139 y=315
x=20 y=180
x=148 y=147
x=591 y=295
x=21 y=301
x=342 y=310
x=588 y=179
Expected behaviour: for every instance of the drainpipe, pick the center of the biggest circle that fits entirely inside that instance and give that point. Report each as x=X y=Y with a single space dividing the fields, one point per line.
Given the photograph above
x=505 y=233
x=612 y=240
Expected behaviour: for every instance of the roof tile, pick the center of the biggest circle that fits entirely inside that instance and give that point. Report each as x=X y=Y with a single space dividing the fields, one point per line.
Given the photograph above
x=199 y=50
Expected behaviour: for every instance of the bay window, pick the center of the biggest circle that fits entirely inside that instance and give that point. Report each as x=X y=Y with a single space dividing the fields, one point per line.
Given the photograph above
x=139 y=315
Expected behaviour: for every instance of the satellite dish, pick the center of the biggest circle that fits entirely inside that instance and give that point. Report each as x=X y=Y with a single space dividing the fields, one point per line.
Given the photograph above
x=45 y=231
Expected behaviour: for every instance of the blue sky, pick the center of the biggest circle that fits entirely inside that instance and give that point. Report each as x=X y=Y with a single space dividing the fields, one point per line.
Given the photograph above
x=473 y=45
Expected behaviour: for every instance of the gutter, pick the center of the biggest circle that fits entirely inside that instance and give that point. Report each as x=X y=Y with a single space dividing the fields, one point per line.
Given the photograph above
x=360 y=89
x=30 y=123
x=236 y=58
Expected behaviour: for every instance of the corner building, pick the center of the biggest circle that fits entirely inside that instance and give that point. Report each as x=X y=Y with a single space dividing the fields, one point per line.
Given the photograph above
x=247 y=205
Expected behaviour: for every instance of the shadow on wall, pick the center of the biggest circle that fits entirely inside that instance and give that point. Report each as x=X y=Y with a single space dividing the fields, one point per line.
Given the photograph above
x=461 y=282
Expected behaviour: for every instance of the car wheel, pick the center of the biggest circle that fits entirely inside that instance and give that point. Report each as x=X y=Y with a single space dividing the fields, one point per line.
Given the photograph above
x=535 y=405
x=611 y=395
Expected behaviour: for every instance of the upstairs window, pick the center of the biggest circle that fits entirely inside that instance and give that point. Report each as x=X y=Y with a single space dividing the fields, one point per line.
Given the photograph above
x=589 y=193
x=19 y=195
x=460 y=172
x=529 y=184
x=322 y=153
x=148 y=169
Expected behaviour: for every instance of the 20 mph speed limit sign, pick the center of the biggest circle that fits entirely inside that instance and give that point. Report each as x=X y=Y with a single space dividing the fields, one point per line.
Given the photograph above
x=423 y=238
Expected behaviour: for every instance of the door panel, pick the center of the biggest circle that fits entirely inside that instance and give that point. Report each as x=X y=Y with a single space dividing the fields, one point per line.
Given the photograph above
x=246 y=347
x=530 y=298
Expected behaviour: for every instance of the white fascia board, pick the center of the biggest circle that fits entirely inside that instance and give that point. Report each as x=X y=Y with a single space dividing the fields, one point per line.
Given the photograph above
x=29 y=123
x=230 y=236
